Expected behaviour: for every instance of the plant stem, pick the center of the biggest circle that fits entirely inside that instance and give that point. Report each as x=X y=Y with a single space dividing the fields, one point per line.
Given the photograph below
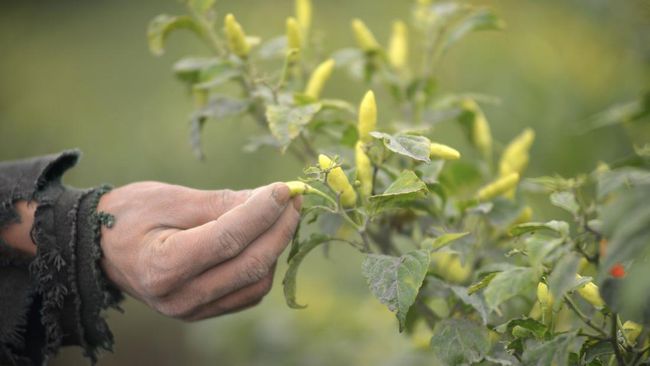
x=613 y=339
x=583 y=317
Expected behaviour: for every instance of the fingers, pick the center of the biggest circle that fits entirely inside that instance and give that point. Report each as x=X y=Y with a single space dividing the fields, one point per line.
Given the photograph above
x=251 y=266
x=206 y=206
x=239 y=300
x=193 y=251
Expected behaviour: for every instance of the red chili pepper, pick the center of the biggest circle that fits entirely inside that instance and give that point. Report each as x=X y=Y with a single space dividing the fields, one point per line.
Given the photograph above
x=617 y=271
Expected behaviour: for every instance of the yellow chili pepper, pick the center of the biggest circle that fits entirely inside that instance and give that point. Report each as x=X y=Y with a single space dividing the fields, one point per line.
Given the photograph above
x=525 y=216
x=297 y=188
x=236 y=37
x=303 y=13
x=515 y=156
x=398 y=45
x=337 y=180
x=481 y=135
x=632 y=331
x=365 y=39
x=294 y=36
x=318 y=78
x=498 y=187
x=544 y=296
x=444 y=152
x=367 y=116
x=590 y=293
x=449 y=266
x=364 y=170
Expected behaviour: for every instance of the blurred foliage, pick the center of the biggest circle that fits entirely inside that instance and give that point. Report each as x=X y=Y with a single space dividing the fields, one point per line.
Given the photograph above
x=78 y=74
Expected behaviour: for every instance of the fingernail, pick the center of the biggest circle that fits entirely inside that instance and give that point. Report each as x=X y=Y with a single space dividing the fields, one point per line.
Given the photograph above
x=281 y=194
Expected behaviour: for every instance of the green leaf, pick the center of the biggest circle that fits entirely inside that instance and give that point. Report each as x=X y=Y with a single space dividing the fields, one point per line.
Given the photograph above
x=406 y=187
x=459 y=342
x=273 y=48
x=554 y=352
x=563 y=278
x=540 y=249
x=601 y=350
x=442 y=240
x=556 y=183
x=621 y=113
x=504 y=212
x=217 y=108
x=474 y=300
x=395 y=281
x=221 y=106
x=415 y=147
x=482 y=19
x=289 y=281
x=536 y=328
x=429 y=172
x=566 y=201
x=161 y=26
x=482 y=283
x=286 y=122
x=508 y=284
x=189 y=69
x=627 y=227
x=560 y=227
x=623 y=178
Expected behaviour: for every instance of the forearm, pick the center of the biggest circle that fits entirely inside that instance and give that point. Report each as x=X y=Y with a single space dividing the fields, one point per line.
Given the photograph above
x=17 y=235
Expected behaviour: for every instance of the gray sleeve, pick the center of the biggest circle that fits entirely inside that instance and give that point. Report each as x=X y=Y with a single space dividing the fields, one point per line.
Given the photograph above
x=56 y=298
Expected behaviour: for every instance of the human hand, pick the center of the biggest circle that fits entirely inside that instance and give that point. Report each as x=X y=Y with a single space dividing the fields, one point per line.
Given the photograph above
x=193 y=254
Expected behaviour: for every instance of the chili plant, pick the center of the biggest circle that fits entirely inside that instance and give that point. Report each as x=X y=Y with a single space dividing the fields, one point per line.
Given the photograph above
x=447 y=236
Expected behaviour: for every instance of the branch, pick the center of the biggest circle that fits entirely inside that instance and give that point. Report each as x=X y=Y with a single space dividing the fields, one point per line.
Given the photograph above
x=613 y=339
x=583 y=317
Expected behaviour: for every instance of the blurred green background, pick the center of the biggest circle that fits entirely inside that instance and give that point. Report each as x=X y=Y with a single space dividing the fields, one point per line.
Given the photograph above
x=78 y=74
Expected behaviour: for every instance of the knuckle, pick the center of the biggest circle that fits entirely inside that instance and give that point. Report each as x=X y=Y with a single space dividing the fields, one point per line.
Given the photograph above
x=219 y=200
x=175 y=309
x=256 y=269
x=230 y=241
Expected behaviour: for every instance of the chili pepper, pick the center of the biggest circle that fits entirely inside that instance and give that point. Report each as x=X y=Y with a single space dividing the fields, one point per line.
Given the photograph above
x=398 y=45
x=367 y=116
x=544 y=296
x=318 y=78
x=515 y=156
x=481 y=135
x=444 y=152
x=297 y=188
x=365 y=39
x=617 y=271
x=498 y=187
x=590 y=293
x=236 y=37
x=337 y=180
x=632 y=331
x=364 y=170
x=294 y=36
x=303 y=13
x=525 y=216
x=449 y=266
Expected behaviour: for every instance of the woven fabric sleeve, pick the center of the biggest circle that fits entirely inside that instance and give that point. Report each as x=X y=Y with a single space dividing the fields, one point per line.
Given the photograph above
x=56 y=298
